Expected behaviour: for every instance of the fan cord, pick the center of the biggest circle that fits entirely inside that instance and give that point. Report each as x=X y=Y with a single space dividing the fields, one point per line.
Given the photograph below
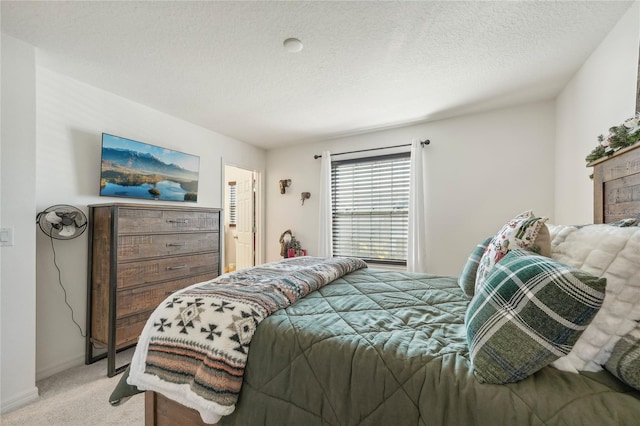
x=55 y=263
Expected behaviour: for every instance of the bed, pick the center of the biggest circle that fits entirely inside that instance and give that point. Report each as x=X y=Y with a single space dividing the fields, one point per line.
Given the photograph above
x=374 y=347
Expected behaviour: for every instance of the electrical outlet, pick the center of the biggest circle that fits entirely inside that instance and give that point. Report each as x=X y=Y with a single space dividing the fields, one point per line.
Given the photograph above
x=6 y=237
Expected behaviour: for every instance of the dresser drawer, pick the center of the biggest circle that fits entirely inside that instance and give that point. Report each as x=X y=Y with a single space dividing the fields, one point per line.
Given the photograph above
x=128 y=329
x=138 y=221
x=154 y=270
x=132 y=247
x=147 y=298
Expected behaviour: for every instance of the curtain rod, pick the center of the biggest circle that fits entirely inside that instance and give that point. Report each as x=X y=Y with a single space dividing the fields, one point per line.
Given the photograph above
x=422 y=143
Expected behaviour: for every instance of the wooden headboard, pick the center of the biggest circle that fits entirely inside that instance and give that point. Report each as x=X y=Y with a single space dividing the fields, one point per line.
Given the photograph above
x=616 y=185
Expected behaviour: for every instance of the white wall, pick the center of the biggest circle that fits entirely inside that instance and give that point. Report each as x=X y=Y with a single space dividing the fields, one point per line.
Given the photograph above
x=71 y=117
x=482 y=169
x=601 y=95
x=18 y=207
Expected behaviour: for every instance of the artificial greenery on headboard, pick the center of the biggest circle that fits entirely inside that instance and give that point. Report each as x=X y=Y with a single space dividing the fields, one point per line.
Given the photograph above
x=622 y=136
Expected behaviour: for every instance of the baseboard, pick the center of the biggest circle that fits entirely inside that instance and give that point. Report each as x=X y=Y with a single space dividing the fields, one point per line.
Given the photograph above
x=59 y=368
x=19 y=400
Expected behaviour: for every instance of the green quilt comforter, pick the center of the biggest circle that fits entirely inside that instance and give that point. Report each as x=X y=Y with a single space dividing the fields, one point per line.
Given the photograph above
x=389 y=348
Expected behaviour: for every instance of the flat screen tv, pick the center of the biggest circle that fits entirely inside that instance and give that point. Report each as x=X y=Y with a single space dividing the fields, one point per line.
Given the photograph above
x=139 y=170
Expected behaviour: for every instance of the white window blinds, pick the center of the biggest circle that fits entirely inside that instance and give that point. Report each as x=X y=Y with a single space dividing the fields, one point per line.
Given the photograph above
x=233 y=203
x=370 y=208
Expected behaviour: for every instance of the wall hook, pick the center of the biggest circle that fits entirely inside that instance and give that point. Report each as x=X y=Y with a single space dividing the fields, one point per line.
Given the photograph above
x=284 y=184
x=305 y=196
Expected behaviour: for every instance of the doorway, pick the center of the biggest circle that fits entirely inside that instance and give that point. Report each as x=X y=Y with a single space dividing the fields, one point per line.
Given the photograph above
x=240 y=226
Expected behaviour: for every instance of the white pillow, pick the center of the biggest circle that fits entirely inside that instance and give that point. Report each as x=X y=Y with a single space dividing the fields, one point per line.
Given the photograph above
x=614 y=253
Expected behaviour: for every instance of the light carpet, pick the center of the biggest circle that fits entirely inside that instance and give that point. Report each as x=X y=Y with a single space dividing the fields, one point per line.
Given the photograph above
x=78 y=397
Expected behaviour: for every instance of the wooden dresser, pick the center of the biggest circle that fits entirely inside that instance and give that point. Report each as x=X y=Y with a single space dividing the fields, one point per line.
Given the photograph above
x=138 y=255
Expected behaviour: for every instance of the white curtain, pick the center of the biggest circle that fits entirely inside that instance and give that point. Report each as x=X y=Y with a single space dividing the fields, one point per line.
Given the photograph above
x=325 y=240
x=417 y=244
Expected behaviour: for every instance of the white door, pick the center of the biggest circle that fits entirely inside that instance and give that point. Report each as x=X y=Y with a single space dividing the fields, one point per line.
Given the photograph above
x=244 y=224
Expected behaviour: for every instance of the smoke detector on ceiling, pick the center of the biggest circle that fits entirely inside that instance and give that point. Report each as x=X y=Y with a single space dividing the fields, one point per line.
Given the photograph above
x=293 y=45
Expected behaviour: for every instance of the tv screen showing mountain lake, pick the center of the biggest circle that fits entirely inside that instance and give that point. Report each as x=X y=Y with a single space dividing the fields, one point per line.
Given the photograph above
x=138 y=170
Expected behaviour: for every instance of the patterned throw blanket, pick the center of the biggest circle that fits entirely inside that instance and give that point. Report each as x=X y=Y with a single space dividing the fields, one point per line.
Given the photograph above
x=194 y=346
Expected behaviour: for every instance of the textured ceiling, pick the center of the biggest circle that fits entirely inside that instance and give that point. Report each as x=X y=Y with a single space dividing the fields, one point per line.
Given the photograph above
x=364 y=66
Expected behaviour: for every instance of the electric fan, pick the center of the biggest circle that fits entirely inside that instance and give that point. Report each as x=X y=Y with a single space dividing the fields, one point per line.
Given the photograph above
x=62 y=222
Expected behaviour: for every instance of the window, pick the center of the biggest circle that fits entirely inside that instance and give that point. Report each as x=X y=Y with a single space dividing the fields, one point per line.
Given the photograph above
x=371 y=208
x=232 y=203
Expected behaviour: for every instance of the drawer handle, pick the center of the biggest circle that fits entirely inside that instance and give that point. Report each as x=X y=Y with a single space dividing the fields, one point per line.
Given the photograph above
x=177 y=221
x=176 y=244
x=173 y=268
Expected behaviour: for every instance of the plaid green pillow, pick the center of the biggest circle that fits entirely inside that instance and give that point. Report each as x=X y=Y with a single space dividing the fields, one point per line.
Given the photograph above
x=624 y=362
x=467 y=278
x=530 y=312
